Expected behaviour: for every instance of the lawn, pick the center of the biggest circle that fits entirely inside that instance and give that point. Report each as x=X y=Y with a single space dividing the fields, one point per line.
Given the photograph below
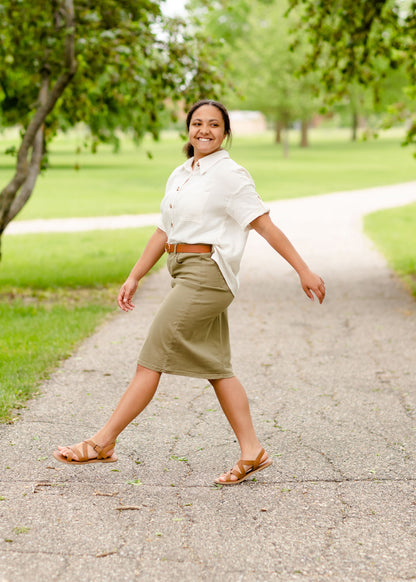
x=129 y=182
x=56 y=288
x=394 y=233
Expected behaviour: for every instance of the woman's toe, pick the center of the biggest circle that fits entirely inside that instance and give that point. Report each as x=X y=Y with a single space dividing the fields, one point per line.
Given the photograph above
x=226 y=477
x=68 y=452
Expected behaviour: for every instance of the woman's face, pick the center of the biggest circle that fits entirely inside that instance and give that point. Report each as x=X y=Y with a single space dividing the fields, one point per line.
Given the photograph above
x=206 y=131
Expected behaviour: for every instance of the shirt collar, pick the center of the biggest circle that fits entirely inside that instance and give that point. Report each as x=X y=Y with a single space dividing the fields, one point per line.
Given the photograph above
x=207 y=162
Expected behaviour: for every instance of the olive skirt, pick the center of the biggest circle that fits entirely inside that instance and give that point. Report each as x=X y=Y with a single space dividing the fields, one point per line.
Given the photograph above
x=189 y=335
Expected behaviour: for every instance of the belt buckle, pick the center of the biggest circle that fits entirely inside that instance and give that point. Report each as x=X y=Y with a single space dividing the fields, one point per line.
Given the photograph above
x=168 y=247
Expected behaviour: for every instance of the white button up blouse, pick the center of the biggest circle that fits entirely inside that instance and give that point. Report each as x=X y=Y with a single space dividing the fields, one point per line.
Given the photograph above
x=213 y=203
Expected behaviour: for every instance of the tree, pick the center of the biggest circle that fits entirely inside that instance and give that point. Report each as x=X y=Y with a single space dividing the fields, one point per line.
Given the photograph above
x=355 y=42
x=110 y=64
x=267 y=71
x=255 y=44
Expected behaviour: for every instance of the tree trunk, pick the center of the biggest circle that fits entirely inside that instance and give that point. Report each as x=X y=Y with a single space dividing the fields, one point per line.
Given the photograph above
x=285 y=141
x=278 y=131
x=304 y=142
x=17 y=192
x=26 y=189
x=354 y=125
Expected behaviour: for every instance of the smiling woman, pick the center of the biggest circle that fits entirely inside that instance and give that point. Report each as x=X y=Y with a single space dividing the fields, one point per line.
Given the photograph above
x=208 y=209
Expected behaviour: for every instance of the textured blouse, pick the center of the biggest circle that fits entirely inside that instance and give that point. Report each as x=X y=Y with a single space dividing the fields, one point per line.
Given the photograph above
x=212 y=203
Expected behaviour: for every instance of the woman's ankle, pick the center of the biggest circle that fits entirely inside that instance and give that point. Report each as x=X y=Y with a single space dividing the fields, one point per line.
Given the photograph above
x=251 y=452
x=103 y=439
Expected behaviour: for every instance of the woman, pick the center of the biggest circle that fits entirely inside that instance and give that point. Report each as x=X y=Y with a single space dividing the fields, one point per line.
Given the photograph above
x=208 y=209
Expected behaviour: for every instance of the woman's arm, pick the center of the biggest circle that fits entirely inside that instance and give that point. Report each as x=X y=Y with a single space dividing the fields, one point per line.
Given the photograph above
x=279 y=241
x=150 y=256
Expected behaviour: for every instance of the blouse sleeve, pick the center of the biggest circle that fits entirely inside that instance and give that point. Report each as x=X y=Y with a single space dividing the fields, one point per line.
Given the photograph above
x=160 y=225
x=244 y=204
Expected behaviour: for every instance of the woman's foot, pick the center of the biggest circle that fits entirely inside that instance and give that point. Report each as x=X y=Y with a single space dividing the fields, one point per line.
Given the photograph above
x=244 y=469
x=86 y=452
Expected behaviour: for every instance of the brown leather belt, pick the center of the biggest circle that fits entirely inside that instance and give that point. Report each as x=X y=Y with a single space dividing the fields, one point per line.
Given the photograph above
x=184 y=248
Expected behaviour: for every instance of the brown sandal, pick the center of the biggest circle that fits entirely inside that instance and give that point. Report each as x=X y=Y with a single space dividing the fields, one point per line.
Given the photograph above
x=243 y=473
x=82 y=455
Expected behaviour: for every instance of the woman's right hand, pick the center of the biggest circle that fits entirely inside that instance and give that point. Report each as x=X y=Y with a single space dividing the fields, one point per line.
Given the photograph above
x=125 y=296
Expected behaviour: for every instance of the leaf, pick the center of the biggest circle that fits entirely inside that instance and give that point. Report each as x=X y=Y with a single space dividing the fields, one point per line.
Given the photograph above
x=134 y=482
x=21 y=530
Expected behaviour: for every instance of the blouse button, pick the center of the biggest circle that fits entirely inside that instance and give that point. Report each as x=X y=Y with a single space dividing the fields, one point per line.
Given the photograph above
x=178 y=188
x=170 y=206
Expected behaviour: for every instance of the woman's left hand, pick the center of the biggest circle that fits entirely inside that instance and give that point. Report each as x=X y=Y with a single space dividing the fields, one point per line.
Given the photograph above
x=312 y=283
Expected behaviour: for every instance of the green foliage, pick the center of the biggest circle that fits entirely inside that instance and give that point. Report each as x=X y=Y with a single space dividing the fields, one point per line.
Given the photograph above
x=255 y=47
x=360 y=42
x=130 y=59
x=394 y=233
x=223 y=20
x=111 y=65
x=266 y=67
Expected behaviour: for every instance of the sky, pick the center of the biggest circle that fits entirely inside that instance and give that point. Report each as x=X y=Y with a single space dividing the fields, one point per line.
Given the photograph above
x=173 y=7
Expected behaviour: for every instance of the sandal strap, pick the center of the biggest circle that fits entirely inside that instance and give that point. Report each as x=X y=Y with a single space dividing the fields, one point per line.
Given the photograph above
x=253 y=464
x=240 y=471
x=82 y=451
x=241 y=464
x=100 y=450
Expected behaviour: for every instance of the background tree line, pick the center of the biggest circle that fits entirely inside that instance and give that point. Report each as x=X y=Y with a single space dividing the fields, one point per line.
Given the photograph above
x=293 y=59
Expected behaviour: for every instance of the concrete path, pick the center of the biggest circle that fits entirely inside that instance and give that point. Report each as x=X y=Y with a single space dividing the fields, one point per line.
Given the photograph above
x=332 y=390
x=80 y=224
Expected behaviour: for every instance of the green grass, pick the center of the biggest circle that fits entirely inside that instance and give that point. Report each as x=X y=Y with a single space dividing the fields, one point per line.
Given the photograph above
x=54 y=290
x=394 y=233
x=33 y=339
x=130 y=183
x=70 y=260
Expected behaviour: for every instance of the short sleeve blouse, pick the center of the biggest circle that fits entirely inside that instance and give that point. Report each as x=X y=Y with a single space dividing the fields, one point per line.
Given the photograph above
x=212 y=203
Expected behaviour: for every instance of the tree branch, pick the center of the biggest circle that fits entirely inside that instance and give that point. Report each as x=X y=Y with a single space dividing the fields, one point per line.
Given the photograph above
x=26 y=174
x=35 y=162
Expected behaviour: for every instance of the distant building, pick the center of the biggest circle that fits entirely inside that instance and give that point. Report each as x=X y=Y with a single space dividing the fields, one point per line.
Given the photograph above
x=247 y=122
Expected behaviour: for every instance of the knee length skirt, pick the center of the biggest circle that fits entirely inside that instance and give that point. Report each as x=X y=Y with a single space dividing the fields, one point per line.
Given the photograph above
x=189 y=335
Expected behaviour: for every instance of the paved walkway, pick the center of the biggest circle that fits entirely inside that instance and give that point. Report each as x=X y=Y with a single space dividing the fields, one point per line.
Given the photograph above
x=80 y=224
x=332 y=390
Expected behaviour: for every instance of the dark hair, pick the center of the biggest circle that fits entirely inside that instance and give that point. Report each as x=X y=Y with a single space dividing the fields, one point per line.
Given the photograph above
x=188 y=148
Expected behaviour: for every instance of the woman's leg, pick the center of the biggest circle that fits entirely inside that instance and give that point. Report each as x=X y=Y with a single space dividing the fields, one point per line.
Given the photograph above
x=137 y=396
x=234 y=402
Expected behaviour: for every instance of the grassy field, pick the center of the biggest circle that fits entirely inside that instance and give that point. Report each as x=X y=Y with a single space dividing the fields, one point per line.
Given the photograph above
x=394 y=233
x=130 y=183
x=56 y=288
